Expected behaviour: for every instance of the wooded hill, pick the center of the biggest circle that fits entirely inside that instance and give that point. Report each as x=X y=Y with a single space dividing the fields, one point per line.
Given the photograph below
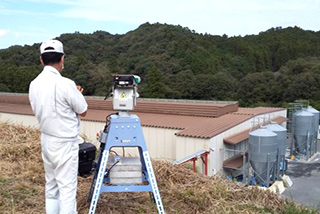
x=273 y=68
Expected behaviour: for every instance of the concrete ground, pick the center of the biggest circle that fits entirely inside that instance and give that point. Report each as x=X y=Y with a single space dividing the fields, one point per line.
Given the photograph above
x=305 y=176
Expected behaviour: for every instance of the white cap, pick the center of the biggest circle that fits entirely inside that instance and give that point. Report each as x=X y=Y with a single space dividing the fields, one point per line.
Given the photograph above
x=51 y=46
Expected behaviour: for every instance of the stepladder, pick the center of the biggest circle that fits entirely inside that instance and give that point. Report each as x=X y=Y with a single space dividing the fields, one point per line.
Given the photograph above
x=123 y=131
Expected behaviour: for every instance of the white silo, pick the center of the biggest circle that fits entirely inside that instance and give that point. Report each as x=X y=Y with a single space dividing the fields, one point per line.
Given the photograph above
x=282 y=142
x=263 y=147
x=315 y=127
x=303 y=130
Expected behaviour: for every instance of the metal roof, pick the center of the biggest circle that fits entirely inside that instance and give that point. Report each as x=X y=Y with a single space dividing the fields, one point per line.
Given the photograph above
x=235 y=162
x=214 y=126
x=200 y=109
x=200 y=120
x=241 y=136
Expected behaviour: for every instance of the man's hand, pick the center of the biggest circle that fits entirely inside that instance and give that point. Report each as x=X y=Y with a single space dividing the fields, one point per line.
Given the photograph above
x=80 y=88
x=83 y=114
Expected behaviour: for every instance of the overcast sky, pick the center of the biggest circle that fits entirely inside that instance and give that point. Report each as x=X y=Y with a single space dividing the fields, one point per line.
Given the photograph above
x=33 y=21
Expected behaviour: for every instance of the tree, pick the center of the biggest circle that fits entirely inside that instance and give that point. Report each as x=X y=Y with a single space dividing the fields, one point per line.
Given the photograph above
x=257 y=87
x=203 y=87
x=153 y=85
x=304 y=86
x=223 y=86
x=183 y=83
x=175 y=62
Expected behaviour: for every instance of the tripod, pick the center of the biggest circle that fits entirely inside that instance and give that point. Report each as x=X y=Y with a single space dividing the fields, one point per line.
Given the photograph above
x=123 y=130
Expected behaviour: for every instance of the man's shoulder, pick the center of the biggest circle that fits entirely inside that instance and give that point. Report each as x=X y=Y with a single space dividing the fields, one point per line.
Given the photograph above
x=65 y=80
x=36 y=81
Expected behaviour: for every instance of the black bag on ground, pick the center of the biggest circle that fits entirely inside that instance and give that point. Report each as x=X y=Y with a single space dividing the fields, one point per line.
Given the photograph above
x=87 y=155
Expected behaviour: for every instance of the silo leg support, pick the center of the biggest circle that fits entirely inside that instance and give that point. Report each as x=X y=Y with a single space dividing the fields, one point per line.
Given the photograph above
x=277 y=169
x=268 y=170
x=308 y=146
x=244 y=168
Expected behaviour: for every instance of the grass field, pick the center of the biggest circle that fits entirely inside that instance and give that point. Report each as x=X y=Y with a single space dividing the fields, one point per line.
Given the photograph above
x=182 y=191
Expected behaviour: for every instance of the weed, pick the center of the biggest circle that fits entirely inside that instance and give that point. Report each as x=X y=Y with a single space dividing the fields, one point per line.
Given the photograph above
x=5 y=181
x=294 y=209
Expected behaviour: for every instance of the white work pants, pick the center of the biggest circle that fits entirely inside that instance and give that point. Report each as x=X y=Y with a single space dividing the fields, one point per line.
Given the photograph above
x=60 y=157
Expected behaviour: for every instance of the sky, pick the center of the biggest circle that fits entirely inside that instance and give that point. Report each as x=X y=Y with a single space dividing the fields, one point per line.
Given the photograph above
x=26 y=22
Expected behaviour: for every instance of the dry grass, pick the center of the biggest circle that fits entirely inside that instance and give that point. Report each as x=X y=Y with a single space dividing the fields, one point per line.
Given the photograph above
x=182 y=191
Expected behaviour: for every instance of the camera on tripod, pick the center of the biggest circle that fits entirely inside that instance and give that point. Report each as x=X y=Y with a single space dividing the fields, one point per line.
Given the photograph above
x=124 y=90
x=116 y=173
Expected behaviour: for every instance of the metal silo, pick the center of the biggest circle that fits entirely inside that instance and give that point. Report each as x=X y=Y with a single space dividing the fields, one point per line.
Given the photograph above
x=303 y=130
x=315 y=127
x=263 y=147
x=282 y=142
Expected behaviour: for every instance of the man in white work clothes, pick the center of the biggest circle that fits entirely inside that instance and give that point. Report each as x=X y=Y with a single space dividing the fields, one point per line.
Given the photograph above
x=57 y=104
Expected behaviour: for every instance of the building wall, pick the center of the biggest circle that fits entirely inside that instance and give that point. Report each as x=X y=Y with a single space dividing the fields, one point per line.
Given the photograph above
x=89 y=130
x=161 y=143
x=186 y=146
x=232 y=150
x=19 y=119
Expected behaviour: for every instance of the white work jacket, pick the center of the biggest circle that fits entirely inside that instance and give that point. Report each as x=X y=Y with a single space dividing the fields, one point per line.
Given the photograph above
x=56 y=103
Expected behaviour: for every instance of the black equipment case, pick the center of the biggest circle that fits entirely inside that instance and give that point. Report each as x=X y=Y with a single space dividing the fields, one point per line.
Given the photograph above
x=87 y=155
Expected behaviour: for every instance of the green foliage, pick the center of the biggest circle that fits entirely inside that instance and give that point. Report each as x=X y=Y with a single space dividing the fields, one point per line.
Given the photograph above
x=258 y=87
x=17 y=78
x=155 y=86
x=275 y=67
x=293 y=209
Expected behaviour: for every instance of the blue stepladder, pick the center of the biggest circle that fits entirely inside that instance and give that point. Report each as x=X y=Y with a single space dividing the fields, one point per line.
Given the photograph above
x=123 y=131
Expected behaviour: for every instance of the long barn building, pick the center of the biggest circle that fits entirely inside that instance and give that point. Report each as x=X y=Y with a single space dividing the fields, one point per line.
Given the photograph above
x=212 y=135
